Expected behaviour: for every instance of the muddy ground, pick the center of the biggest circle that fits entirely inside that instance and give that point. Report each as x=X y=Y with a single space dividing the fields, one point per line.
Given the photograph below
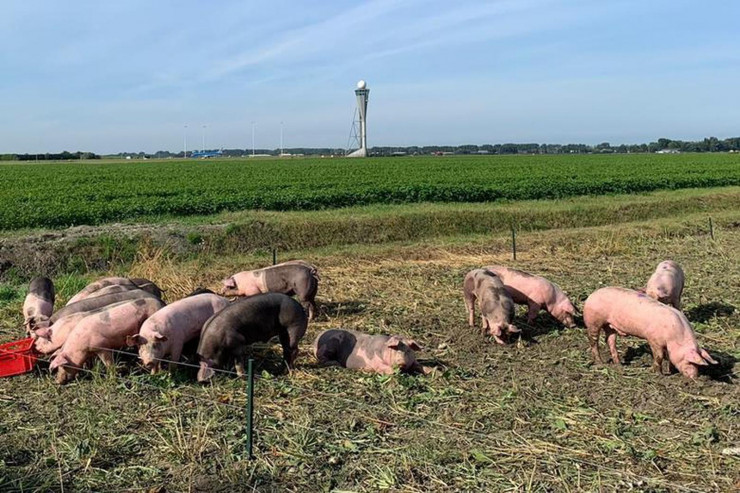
x=535 y=415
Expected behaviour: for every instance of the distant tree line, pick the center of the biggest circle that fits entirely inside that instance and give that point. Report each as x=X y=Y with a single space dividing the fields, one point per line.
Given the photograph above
x=47 y=156
x=710 y=144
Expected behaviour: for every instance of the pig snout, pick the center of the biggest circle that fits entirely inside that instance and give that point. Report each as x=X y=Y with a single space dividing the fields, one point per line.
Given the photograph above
x=229 y=287
x=689 y=364
x=64 y=376
x=500 y=329
x=569 y=321
x=150 y=364
x=206 y=372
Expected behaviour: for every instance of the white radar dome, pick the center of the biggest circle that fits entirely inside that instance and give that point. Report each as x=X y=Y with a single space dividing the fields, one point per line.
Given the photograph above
x=361 y=85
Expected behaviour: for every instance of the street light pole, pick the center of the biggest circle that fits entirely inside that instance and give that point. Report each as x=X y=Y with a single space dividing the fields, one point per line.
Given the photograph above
x=185 y=142
x=253 y=124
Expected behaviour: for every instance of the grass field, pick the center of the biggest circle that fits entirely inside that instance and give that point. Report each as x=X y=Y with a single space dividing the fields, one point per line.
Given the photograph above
x=533 y=416
x=58 y=195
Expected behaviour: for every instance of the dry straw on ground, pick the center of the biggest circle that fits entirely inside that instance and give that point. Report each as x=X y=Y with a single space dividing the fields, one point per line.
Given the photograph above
x=532 y=416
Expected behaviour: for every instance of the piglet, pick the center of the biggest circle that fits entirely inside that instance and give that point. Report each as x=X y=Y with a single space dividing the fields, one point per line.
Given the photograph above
x=125 y=284
x=627 y=312
x=51 y=338
x=666 y=284
x=38 y=305
x=537 y=293
x=259 y=318
x=148 y=286
x=377 y=353
x=496 y=306
x=164 y=334
x=94 y=334
x=96 y=302
x=295 y=277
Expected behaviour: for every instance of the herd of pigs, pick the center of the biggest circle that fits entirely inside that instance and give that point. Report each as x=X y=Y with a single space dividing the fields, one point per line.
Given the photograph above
x=117 y=312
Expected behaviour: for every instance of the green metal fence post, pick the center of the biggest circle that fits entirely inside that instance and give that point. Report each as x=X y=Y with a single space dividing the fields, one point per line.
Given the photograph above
x=250 y=406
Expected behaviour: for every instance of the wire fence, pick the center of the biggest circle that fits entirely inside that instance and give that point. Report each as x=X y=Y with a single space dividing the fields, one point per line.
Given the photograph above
x=492 y=439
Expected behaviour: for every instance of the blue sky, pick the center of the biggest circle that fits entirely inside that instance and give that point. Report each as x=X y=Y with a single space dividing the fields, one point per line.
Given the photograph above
x=128 y=75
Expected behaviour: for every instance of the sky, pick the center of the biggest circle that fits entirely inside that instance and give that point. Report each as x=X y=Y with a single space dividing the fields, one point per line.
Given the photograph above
x=139 y=75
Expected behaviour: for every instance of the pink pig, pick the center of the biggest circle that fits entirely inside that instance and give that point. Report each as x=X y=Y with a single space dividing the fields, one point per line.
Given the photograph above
x=496 y=306
x=378 y=353
x=95 y=333
x=110 y=285
x=38 y=305
x=49 y=339
x=537 y=293
x=627 y=312
x=666 y=284
x=295 y=277
x=105 y=282
x=165 y=333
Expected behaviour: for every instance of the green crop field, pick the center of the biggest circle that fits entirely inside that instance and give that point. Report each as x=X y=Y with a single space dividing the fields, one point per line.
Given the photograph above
x=59 y=195
x=533 y=415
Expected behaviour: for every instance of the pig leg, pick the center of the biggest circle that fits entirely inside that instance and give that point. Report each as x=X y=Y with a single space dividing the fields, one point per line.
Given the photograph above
x=483 y=325
x=310 y=307
x=289 y=354
x=593 y=339
x=174 y=358
x=470 y=305
x=307 y=295
x=107 y=358
x=657 y=351
x=240 y=357
x=671 y=369
x=611 y=341
x=533 y=310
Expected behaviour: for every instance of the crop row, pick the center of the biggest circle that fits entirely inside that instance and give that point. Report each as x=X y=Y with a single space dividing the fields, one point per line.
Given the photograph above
x=58 y=195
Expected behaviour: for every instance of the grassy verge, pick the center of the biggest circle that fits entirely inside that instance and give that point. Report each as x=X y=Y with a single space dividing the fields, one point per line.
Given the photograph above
x=532 y=416
x=79 y=250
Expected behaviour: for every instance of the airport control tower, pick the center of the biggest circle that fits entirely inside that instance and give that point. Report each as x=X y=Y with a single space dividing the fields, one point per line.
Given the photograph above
x=362 y=93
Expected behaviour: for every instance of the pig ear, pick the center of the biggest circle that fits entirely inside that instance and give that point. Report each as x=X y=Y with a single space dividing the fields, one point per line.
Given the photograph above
x=60 y=360
x=229 y=283
x=513 y=329
x=135 y=340
x=694 y=357
x=412 y=344
x=160 y=337
x=393 y=342
x=706 y=356
x=44 y=332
